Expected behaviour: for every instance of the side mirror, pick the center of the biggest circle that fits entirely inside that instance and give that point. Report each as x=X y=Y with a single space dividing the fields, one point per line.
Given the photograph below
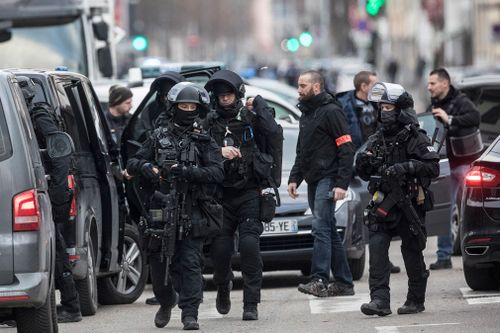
x=105 y=61
x=59 y=144
x=101 y=30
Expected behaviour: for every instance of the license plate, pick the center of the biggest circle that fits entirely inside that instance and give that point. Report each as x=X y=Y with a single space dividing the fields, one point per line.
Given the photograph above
x=281 y=227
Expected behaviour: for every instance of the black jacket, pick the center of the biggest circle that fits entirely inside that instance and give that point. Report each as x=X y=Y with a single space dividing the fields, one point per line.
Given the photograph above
x=208 y=171
x=324 y=146
x=466 y=120
x=44 y=122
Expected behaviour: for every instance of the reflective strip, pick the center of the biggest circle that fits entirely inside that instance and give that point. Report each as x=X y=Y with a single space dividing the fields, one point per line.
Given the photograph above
x=343 y=139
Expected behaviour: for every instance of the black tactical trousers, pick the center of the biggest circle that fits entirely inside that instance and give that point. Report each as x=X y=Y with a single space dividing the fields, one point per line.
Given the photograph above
x=64 y=276
x=185 y=276
x=241 y=212
x=380 y=270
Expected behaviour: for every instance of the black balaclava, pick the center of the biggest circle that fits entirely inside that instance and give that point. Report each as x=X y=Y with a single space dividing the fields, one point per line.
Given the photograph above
x=185 y=118
x=390 y=121
x=229 y=111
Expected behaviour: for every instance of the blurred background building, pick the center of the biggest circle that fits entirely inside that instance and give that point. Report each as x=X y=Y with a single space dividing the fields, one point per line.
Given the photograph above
x=401 y=39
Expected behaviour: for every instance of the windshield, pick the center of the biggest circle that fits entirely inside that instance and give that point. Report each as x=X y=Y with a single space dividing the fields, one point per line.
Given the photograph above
x=46 y=45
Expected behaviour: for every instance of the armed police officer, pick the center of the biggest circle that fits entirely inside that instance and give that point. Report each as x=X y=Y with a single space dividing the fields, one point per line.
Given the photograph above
x=246 y=134
x=185 y=164
x=399 y=163
x=46 y=122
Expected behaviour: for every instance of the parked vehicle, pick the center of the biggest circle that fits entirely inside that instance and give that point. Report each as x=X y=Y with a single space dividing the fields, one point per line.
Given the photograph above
x=109 y=266
x=27 y=231
x=480 y=221
x=287 y=241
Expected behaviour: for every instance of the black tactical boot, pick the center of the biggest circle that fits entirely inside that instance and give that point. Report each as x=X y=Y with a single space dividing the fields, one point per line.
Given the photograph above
x=441 y=264
x=250 y=311
x=411 y=307
x=394 y=268
x=163 y=316
x=223 y=300
x=64 y=316
x=152 y=301
x=315 y=287
x=374 y=308
x=190 y=324
x=339 y=289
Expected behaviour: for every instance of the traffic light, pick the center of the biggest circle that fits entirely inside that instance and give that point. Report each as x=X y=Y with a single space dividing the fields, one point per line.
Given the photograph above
x=373 y=6
x=305 y=39
x=292 y=45
x=140 y=43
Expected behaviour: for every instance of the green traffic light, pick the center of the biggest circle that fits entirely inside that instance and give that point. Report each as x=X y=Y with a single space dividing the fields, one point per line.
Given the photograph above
x=306 y=39
x=292 y=45
x=373 y=6
x=140 y=43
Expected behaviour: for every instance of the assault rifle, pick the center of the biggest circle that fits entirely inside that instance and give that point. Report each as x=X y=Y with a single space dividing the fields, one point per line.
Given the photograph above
x=397 y=197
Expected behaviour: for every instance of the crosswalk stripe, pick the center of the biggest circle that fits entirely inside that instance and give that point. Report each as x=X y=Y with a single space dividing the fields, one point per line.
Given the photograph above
x=480 y=297
x=337 y=304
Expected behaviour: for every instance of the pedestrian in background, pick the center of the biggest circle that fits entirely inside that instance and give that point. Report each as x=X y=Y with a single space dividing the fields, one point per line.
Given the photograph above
x=399 y=163
x=324 y=160
x=118 y=115
x=461 y=119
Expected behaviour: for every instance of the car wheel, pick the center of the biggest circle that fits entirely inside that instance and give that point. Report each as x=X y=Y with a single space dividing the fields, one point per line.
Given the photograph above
x=37 y=319
x=87 y=287
x=479 y=278
x=126 y=286
x=455 y=232
x=357 y=267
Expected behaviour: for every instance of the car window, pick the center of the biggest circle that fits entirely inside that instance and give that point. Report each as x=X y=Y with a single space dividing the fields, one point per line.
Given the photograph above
x=428 y=123
x=289 y=147
x=73 y=121
x=98 y=122
x=5 y=145
x=282 y=113
x=489 y=108
x=496 y=148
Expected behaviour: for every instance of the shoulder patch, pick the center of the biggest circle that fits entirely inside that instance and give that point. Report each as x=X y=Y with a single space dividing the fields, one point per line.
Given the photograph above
x=431 y=149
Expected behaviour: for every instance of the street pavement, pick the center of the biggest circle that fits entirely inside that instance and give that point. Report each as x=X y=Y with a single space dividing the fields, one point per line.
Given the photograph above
x=450 y=307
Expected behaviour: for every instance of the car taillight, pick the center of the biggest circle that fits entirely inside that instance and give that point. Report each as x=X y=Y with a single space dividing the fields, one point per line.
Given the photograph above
x=71 y=184
x=26 y=211
x=480 y=176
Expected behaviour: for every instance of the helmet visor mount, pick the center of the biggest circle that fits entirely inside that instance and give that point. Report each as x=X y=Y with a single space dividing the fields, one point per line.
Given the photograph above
x=383 y=92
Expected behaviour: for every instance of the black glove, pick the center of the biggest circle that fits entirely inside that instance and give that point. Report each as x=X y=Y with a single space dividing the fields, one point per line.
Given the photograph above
x=365 y=159
x=397 y=170
x=148 y=173
x=178 y=170
x=404 y=101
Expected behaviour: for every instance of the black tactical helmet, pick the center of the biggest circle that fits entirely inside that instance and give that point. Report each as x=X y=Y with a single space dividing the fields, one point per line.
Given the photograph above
x=170 y=76
x=188 y=92
x=28 y=87
x=223 y=79
x=395 y=94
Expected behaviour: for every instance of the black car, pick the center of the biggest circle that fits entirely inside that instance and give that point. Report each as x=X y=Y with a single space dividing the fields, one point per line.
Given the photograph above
x=109 y=265
x=480 y=221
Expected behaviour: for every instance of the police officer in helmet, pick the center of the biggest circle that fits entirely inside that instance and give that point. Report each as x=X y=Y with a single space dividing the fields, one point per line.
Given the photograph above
x=179 y=156
x=240 y=131
x=45 y=122
x=399 y=163
x=159 y=111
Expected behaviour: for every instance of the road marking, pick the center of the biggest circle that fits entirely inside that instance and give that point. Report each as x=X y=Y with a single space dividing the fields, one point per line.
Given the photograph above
x=395 y=329
x=480 y=297
x=337 y=304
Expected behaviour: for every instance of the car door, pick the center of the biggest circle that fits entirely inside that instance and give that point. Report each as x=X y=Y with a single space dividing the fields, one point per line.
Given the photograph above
x=81 y=96
x=437 y=220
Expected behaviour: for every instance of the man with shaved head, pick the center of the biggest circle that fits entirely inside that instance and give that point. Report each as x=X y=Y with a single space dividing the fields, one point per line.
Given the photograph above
x=324 y=160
